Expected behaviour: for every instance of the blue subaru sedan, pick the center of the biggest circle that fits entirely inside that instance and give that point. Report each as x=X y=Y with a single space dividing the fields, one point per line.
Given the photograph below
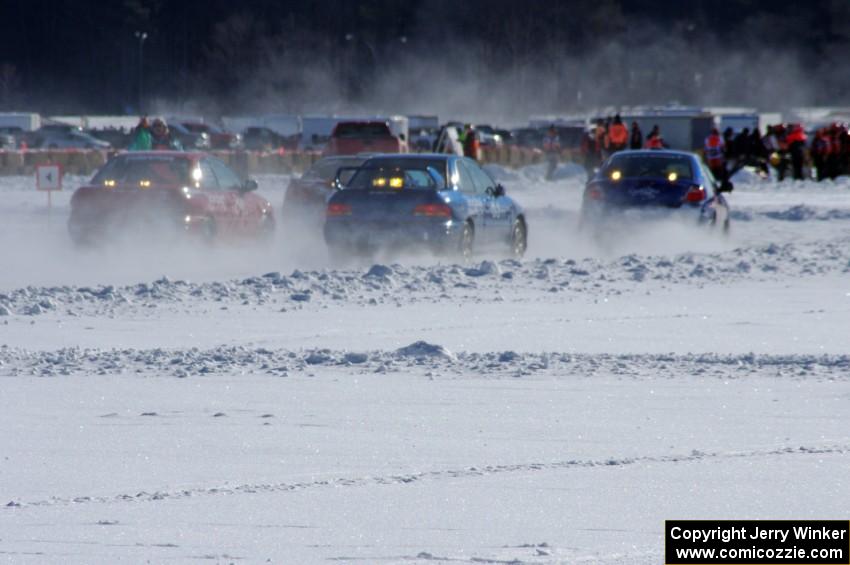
x=656 y=183
x=445 y=203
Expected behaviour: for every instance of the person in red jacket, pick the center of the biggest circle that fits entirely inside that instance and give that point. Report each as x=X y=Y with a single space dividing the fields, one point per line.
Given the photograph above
x=471 y=145
x=654 y=139
x=796 y=141
x=714 y=151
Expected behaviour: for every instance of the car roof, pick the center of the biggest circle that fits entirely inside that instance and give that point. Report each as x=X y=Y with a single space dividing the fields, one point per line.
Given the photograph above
x=361 y=122
x=166 y=153
x=403 y=156
x=653 y=152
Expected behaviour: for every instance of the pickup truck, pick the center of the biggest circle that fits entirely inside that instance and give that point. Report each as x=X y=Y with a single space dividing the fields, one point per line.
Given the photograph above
x=351 y=138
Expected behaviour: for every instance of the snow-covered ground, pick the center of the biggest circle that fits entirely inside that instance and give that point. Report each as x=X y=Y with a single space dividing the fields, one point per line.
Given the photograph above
x=259 y=405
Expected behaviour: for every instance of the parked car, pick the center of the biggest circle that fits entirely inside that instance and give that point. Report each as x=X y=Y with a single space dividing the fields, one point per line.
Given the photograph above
x=531 y=138
x=118 y=138
x=445 y=203
x=152 y=195
x=9 y=137
x=487 y=136
x=189 y=140
x=264 y=139
x=219 y=139
x=655 y=183
x=423 y=139
x=64 y=137
x=351 y=138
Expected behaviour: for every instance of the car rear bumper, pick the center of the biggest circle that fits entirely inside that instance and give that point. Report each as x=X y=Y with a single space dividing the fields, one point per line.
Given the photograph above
x=92 y=230
x=435 y=234
x=605 y=213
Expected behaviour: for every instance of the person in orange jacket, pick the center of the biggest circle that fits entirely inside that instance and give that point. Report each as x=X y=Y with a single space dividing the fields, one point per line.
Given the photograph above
x=618 y=135
x=714 y=151
x=796 y=141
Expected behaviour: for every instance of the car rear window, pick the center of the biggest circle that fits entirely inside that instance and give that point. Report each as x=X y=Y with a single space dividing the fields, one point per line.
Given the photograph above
x=133 y=169
x=388 y=177
x=361 y=130
x=651 y=165
x=326 y=169
x=422 y=163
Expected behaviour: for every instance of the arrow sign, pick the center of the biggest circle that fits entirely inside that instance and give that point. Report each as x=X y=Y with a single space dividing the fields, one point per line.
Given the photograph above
x=48 y=177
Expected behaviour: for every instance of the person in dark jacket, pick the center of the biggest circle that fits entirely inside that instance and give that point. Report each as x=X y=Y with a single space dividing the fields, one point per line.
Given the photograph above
x=758 y=152
x=729 y=144
x=636 y=138
x=742 y=146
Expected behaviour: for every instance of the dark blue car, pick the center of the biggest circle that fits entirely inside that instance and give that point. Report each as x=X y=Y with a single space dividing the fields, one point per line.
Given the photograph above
x=446 y=203
x=657 y=182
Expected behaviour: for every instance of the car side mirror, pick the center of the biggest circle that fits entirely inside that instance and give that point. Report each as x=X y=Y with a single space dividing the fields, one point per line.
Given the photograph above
x=249 y=185
x=498 y=191
x=726 y=186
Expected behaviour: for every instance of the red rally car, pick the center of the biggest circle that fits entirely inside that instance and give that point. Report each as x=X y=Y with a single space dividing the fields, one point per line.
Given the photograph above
x=167 y=192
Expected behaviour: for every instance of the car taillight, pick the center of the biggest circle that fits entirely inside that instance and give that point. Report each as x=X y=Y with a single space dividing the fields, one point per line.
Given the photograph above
x=594 y=193
x=337 y=209
x=695 y=194
x=433 y=210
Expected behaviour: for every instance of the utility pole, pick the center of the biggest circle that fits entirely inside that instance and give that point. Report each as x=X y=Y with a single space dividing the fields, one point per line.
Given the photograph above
x=141 y=36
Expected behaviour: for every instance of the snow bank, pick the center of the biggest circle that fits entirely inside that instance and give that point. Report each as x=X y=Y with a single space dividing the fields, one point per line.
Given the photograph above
x=430 y=357
x=397 y=284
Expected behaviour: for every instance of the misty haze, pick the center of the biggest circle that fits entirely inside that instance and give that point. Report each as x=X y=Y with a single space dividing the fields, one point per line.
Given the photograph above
x=423 y=282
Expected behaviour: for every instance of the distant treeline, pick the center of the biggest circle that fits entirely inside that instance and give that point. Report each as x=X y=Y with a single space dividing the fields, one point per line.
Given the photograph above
x=72 y=56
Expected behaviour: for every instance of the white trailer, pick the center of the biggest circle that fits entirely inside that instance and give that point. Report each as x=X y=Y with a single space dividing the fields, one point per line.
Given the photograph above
x=27 y=121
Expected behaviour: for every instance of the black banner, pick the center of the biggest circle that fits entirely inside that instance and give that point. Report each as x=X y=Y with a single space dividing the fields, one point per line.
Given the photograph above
x=757 y=542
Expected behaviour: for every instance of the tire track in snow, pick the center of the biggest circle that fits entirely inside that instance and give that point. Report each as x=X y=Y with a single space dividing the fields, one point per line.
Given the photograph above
x=424 y=476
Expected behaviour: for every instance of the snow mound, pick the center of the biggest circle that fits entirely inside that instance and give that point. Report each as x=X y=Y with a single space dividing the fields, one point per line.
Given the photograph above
x=423 y=349
x=421 y=357
x=794 y=214
x=408 y=284
x=484 y=269
x=379 y=272
x=746 y=176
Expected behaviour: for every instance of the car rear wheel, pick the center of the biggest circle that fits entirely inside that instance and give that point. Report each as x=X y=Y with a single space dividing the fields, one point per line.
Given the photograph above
x=519 y=239
x=339 y=255
x=208 y=232
x=467 y=241
x=267 y=227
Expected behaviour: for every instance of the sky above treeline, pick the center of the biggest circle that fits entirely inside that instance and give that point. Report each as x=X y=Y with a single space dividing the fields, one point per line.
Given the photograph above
x=433 y=56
